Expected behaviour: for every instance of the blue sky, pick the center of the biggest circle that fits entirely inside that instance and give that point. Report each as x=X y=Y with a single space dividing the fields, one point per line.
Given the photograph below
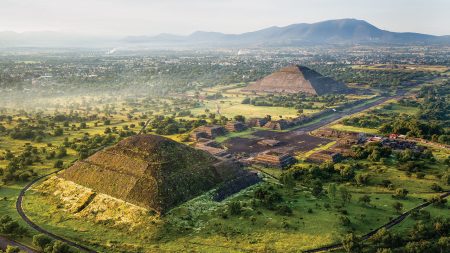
x=138 y=17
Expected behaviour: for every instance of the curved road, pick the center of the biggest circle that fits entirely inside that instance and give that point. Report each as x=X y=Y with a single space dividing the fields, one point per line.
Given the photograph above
x=38 y=228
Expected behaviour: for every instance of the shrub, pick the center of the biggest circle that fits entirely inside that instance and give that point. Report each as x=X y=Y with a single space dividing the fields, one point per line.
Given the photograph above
x=401 y=193
x=437 y=188
x=420 y=175
x=58 y=164
x=397 y=206
x=234 y=208
x=345 y=221
x=12 y=249
x=41 y=241
x=438 y=201
x=284 y=210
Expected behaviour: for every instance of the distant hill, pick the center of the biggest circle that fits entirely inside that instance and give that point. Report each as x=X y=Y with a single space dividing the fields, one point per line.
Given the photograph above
x=296 y=79
x=341 y=31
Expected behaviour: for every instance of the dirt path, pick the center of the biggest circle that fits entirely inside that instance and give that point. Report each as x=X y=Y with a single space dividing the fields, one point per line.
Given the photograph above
x=388 y=225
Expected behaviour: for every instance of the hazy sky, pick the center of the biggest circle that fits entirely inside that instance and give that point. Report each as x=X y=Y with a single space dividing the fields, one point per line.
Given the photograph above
x=137 y=17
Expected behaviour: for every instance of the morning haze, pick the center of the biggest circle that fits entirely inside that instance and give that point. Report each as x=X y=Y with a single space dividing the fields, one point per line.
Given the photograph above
x=224 y=126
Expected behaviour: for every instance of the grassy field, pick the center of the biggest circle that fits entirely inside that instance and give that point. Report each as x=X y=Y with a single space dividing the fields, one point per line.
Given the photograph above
x=354 y=129
x=199 y=225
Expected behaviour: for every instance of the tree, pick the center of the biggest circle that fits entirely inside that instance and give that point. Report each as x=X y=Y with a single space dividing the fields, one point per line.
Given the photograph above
x=446 y=179
x=345 y=195
x=362 y=179
x=58 y=132
x=332 y=190
x=234 y=208
x=351 y=243
x=239 y=118
x=41 y=241
x=401 y=193
x=11 y=227
x=58 y=164
x=62 y=152
x=12 y=249
x=287 y=179
x=365 y=199
x=398 y=206
x=384 y=250
x=444 y=244
x=437 y=188
x=317 y=188
x=57 y=247
x=345 y=221
x=418 y=247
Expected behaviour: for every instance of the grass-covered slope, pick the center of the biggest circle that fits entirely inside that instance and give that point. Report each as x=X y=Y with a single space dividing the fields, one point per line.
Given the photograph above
x=150 y=171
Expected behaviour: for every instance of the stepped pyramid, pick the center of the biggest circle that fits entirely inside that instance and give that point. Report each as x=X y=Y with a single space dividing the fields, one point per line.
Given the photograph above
x=151 y=171
x=296 y=79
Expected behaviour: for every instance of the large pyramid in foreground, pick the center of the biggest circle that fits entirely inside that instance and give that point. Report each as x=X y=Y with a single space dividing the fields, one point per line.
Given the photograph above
x=297 y=79
x=151 y=171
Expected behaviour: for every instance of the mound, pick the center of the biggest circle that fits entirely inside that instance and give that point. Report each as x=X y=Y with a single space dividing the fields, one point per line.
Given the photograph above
x=296 y=79
x=151 y=171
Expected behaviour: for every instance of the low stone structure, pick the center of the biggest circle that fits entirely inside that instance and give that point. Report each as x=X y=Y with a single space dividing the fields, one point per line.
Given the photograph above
x=209 y=132
x=277 y=125
x=256 y=122
x=274 y=158
x=349 y=137
x=325 y=156
x=235 y=126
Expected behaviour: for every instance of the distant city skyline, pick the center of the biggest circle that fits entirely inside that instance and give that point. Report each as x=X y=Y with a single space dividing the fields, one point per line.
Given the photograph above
x=140 y=17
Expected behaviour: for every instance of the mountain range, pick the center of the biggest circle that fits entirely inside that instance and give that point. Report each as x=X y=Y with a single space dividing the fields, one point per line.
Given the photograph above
x=340 y=31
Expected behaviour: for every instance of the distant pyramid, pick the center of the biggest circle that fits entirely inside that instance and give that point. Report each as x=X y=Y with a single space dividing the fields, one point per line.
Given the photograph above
x=297 y=79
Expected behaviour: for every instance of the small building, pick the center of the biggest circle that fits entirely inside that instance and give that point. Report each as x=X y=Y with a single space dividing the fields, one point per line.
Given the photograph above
x=393 y=136
x=235 y=126
x=198 y=136
x=257 y=122
x=274 y=158
x=325 y=156
x=374 y=139
x=209 y=132
x=269 y=142
x=349 y=137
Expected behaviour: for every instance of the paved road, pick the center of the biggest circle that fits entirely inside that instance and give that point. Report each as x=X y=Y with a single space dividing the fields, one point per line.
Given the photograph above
x=5 y=242
x=339 y=115
x=388 y=225
x=38 y=228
